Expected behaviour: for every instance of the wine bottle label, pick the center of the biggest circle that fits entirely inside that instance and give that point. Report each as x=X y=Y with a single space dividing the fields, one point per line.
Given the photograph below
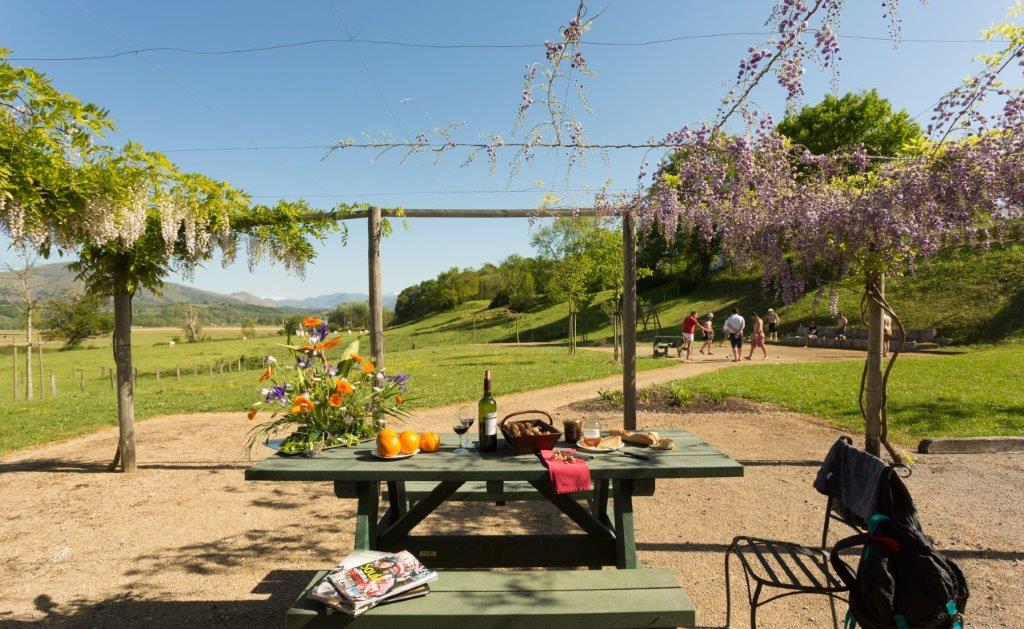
x=490 y=423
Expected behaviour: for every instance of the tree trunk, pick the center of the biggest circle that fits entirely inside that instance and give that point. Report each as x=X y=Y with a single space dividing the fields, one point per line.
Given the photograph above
x=42 y=374
x=125 y=390
x=28 y=353
x=873 y=372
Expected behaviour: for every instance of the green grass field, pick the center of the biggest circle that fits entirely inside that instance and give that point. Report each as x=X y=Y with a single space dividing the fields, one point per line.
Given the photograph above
x=440 y=375
x=977 y=393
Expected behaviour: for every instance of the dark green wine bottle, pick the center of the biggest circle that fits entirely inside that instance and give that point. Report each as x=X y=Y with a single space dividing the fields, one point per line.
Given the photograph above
x=487 y=418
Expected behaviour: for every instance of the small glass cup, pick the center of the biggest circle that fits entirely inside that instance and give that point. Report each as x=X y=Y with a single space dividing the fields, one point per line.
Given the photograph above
x=573 y=430
x=591 y=433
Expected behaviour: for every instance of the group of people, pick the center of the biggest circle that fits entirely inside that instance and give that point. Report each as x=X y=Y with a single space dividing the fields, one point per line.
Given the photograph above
x=734 y=328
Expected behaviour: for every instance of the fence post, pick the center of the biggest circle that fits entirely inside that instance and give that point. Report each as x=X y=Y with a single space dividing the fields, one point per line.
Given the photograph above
x=81 y=380
x=239 y=364
x=158 y=376
x=53 y=385
x=211 y=368
x=42 y=376
x=221 y=365
x=110 y=375
x=135 y=377
x=17 y=389
x=177 y=372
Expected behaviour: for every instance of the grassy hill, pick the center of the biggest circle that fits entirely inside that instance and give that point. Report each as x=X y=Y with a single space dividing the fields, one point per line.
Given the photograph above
x=968 y=296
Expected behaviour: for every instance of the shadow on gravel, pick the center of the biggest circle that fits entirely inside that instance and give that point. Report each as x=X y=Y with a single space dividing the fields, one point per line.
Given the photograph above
x=92 y=467
x=127 y=610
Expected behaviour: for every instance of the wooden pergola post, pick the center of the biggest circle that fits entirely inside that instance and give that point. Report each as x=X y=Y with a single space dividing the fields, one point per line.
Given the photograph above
x=376 y=308
x=628 y=322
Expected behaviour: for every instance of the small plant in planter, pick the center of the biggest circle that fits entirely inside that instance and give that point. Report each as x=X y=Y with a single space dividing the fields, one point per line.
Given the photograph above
x=327 y=402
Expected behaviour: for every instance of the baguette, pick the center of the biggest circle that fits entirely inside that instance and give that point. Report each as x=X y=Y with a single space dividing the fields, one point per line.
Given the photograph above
x=639 y=438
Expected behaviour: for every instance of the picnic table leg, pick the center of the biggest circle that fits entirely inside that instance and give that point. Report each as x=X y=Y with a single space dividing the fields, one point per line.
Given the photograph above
x=396 y=497
x=625 y=536
x=368 y=503
x=599 y=502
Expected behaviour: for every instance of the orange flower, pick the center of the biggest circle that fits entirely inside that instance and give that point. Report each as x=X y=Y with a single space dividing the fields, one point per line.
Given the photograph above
x=311 y=321
x=302 y=404
x=398 y=400
x=356 y=357
x=251 y=414
x=334 y=400
x=368 y=366
x=266 y=374
x=331 y=343
x=342 y=386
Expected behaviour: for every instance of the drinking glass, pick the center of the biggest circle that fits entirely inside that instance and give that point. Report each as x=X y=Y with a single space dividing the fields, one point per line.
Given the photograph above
x=463 y=421
x=591 y=433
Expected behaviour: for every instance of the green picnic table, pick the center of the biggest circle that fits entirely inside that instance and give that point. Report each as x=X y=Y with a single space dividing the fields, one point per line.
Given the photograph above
x=416 y=486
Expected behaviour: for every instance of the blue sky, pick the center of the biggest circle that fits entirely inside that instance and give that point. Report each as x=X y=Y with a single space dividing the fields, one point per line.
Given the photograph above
x=322 y=93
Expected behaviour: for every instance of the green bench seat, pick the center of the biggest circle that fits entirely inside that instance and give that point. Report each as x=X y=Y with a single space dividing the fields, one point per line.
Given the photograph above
x=534 y=599
x=502 y=491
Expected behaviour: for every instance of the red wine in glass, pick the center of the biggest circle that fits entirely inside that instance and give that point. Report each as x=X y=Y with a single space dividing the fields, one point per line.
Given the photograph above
x=461 y=428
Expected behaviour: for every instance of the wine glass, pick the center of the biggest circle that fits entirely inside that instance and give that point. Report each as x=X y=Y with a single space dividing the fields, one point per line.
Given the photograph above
x=463 y=421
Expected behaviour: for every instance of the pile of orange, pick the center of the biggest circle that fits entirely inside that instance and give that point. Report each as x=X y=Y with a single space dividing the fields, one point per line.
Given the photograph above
x=391 y=443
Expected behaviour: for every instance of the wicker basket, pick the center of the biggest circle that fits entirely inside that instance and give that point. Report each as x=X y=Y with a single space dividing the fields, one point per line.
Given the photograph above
x=531 y=444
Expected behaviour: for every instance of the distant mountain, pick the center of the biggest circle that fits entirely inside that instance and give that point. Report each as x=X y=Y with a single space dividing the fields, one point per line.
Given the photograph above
x=55 y=280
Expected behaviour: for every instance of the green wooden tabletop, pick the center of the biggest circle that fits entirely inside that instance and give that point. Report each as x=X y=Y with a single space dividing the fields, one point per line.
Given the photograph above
x=691 y=458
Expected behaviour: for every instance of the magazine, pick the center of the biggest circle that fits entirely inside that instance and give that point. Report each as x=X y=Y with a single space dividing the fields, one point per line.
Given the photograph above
x=369 y=578
x=371 y=582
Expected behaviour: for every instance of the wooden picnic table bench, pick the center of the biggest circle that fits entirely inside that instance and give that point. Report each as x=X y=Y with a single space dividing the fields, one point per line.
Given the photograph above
x=415 y=487
x=555 y=599
x=662 y=344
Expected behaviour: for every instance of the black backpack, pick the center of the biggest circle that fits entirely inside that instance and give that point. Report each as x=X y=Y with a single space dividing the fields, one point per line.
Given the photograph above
x=902 y=582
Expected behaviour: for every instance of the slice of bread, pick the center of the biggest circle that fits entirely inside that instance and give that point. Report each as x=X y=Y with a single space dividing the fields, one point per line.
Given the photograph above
x=639 y=438
x=611 y=441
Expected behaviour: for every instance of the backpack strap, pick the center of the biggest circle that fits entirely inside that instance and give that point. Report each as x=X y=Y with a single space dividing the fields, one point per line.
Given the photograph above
x=901 y=621
x=954 y=615
x=842 y=570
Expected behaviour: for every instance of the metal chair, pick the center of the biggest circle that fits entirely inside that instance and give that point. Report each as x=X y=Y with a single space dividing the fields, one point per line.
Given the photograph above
x=788 y=566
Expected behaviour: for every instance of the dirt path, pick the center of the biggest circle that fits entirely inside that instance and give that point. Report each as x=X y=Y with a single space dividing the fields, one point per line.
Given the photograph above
x=186 y=541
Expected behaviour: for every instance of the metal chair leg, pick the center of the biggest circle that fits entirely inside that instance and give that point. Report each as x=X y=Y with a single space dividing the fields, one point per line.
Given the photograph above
x=753 y=607
x=835 y=616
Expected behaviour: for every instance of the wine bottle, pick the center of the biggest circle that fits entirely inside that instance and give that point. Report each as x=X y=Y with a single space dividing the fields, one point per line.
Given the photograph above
x=487 y=418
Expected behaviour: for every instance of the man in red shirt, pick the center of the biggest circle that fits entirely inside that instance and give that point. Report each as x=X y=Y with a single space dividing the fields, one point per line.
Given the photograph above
x=689 y=326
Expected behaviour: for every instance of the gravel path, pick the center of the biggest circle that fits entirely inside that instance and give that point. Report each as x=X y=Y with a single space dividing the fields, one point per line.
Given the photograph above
x=186 y=541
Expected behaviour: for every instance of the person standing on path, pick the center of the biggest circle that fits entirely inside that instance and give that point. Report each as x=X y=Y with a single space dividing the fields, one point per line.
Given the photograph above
x=772 y=319
x=841 y=323
x=709 y=333
x=734 y=326
x=757 y=340
x=689 y=326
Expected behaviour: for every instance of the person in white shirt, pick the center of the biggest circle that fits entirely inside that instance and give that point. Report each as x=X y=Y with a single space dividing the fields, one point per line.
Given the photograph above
x=734 y=330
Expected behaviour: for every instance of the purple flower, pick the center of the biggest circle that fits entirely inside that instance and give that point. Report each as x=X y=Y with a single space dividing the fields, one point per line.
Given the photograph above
x=318 y=333
x=278 y=393
x=303 y=362
x=400 y=379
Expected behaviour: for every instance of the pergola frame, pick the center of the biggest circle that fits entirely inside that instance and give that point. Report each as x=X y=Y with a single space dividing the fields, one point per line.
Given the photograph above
x=374 y=215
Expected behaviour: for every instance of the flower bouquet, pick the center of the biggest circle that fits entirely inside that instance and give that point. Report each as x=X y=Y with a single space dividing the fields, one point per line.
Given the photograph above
x=329 y=402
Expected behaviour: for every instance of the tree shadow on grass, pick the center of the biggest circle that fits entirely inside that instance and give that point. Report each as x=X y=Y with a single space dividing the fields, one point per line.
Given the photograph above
x=131 y=610
x=938 y=417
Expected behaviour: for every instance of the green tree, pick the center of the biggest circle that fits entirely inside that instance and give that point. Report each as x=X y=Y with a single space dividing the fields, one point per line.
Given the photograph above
x=838 y=123
x=289 y=326
x=249 y=328
x=76 y=318
x=129 y=215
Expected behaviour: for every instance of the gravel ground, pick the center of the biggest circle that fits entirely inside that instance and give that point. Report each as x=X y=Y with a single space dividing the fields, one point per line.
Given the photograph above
x=186 y=541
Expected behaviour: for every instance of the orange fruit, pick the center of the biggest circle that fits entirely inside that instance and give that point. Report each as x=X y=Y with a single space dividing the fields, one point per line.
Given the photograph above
x=409 y=440
x=388 y=443
x=430 y=442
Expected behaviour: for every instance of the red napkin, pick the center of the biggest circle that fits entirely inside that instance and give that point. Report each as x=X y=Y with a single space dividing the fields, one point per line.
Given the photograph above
x=567 y=478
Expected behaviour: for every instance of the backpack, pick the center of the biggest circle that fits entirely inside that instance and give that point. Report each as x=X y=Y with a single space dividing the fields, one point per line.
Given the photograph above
x=902 y=582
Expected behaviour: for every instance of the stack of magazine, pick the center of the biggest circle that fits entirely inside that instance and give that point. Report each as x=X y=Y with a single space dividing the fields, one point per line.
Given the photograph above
x=367 y=578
